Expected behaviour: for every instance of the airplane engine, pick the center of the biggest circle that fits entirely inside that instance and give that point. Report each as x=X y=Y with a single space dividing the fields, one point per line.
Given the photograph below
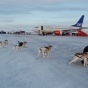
x=57 y=32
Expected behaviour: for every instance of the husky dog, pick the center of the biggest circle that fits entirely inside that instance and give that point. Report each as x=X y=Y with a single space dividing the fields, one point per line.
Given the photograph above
x=0 y=43
x=80 y=56
x=6 y=42
x=20 y=45
x=85 y=50
x=44 y=51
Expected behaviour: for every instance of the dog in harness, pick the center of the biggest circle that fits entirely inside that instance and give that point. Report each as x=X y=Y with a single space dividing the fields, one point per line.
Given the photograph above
x=44 y=51
x=20 y=45
x=85 y=50
x=80 y=56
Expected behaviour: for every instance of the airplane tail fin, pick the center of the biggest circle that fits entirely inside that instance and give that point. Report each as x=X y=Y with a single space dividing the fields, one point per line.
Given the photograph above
x=80 y=22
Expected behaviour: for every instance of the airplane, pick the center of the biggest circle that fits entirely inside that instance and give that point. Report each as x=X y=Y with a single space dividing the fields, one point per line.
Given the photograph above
x=61 y=30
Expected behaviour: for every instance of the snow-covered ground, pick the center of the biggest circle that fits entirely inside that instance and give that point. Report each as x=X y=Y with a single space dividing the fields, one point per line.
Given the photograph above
x=23 y=69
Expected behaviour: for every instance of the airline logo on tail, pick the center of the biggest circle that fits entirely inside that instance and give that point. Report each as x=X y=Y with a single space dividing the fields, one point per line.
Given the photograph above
x=80 y=22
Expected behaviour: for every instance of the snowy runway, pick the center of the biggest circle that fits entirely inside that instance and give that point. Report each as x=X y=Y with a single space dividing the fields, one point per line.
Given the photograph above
x=24 y=69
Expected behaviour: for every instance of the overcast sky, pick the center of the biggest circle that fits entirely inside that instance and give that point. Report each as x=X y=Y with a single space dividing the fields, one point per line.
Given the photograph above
x=25 y=14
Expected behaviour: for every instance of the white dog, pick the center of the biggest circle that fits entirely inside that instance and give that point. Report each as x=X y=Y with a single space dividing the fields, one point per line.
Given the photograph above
x=44 y=51
x=80 y=56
